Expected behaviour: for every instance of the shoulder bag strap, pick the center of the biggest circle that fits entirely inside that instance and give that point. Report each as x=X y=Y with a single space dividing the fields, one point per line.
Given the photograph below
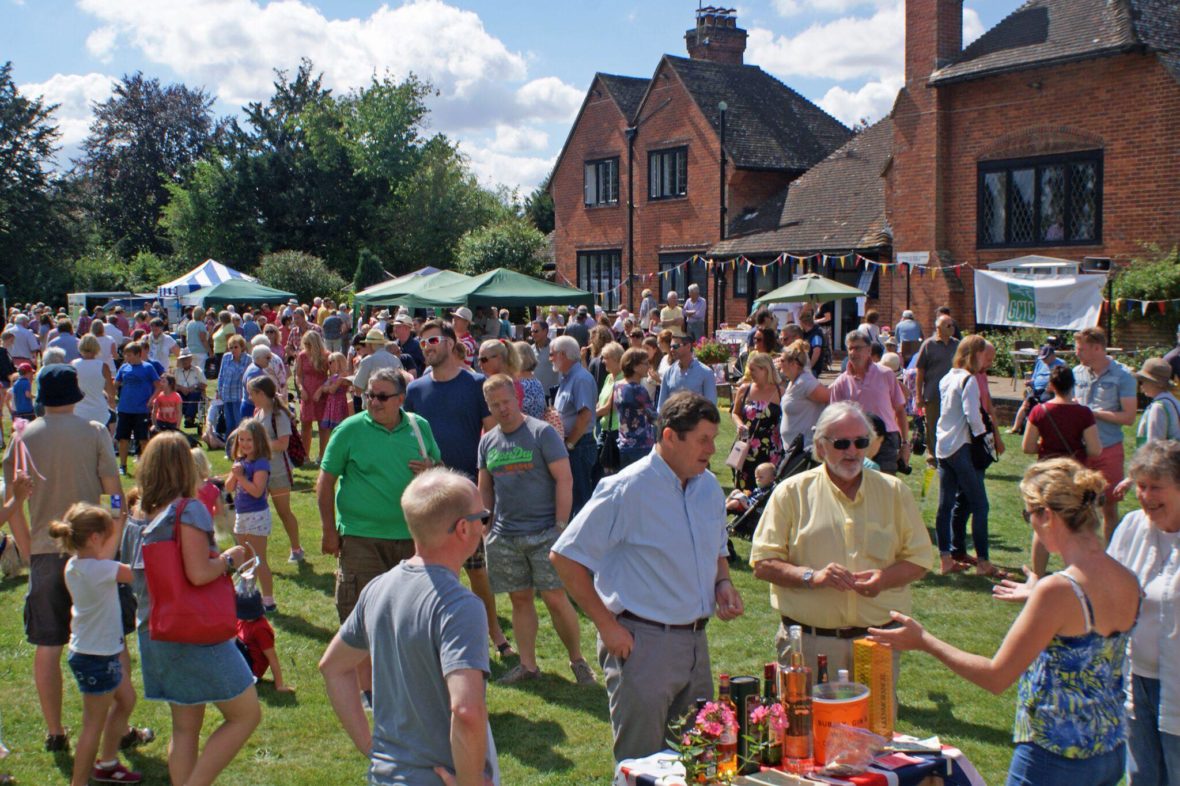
x=417 y=435
x=274 y=424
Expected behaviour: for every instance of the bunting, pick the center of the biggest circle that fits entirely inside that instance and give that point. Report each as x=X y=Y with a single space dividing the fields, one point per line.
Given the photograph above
x=1130 y=305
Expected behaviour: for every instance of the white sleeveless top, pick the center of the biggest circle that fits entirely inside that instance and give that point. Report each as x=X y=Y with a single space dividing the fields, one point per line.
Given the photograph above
x=94 y=404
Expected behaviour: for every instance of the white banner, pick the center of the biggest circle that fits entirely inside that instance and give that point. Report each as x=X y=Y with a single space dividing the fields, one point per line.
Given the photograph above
x=1058 y=303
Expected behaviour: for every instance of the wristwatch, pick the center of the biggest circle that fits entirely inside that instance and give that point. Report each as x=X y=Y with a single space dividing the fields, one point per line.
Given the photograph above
x=807 y=576
x=229 y=564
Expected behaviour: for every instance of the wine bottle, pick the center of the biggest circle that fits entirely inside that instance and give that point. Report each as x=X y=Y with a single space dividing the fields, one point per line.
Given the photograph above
x=727 y=745
x=772 y=753
x=821 y=669
x=796 y=692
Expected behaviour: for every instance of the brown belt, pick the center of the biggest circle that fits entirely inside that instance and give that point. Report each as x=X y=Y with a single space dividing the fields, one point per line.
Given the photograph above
x=697 y=625
x=836 y=633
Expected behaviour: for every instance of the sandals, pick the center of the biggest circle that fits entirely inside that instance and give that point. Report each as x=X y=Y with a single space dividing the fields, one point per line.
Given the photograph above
x=505 y=650
x=136 y=737
x=995 y=573
x=956 y=567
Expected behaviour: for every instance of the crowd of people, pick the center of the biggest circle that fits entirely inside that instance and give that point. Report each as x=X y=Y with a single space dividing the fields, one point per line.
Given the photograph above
x=568 y=458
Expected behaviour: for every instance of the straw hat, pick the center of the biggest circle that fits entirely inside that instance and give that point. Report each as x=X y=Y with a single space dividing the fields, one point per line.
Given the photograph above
x=1157 y=371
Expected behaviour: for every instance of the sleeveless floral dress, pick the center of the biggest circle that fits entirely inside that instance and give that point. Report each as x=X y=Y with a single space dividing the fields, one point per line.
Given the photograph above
x=762 y=419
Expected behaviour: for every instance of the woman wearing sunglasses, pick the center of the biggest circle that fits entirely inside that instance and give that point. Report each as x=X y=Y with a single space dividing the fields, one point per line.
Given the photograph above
x=1068 y=647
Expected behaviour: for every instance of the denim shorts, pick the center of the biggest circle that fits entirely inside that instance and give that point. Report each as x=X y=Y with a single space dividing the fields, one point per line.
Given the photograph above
x=192 y=674
x=1033 y=765
x=521 y=562
x=255 y=523
x=96 y=674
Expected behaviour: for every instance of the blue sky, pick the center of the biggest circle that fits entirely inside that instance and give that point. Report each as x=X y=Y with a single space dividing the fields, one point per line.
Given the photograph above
x=511 y=74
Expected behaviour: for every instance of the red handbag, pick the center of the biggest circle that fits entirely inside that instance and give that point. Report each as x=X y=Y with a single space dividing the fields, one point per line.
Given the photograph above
x=181 y=611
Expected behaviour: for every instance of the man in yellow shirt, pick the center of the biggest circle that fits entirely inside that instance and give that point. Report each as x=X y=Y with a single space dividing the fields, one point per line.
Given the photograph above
x=840 y=544
x=672 y=315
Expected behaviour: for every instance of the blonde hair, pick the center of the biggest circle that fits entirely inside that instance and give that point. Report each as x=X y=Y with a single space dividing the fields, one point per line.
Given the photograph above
x=798 y=351
x=502 y=348
x=614 y=349
x=166 y=471
x=317 y=353
x=433 y=501
x=204 y=468
x=968 y=351
x=89 y=344
x=236 y=341
x=526 y=354
x=763 y=360
x=257 y=434
x=497 y=381
x=337 y=357
x=1066 y=487
x=80 y=522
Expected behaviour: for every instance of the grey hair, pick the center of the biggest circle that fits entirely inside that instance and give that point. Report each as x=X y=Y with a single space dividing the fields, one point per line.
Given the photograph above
x=260 y=341
x=566 y=345
x=857 y=335
x=1158 y=459
x=53 y=355
x=694 y=288
x=614 y=349
x=391 y=375
x=833 y=414
x=260 y=351
x=527 y=355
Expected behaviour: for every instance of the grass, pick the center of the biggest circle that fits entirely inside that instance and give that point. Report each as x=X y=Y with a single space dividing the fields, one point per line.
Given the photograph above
x=549 y=732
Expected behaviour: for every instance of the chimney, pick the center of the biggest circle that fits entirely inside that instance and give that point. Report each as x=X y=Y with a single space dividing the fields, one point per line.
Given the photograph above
x=717 y=37
x=933 y=36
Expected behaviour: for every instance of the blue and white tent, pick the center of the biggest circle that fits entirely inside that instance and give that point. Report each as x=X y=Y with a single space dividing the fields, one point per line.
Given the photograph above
x=206 y=274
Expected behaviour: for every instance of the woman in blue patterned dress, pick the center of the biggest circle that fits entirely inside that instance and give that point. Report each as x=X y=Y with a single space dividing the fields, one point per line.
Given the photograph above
x=635 y=407
x=1068 y=647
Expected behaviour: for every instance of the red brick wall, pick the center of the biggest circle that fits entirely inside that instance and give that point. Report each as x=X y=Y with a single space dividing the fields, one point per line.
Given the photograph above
x=1124 y=105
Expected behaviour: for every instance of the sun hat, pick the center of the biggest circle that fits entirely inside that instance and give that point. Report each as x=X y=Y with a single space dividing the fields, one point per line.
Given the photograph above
x=892 y=361
x=403 y=319
x=185 y=353
x=375 y=336
x=462 y=312
x=58 y=386
x=1157 y=371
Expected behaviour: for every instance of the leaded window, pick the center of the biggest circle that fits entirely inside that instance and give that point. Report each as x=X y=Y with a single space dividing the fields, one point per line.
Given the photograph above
x=1049 y=201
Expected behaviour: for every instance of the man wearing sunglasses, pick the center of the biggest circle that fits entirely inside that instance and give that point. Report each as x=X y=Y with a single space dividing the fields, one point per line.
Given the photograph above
x=685 y=372
x=840 y=544
x=370 y=460
x=544 y=371
x=424 y=634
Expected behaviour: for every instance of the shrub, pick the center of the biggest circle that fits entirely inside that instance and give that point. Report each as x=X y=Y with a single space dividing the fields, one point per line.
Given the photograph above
x=513 y=244
x=305 y=275
x=1005 y=341
x=1155 y=276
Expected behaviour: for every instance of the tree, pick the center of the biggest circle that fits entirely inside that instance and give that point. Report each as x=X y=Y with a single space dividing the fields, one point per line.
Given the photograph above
x=305 y=275
x=538 y=208
x=515 y=244
x=142 y=138
x=37 y=230
x=369 y=271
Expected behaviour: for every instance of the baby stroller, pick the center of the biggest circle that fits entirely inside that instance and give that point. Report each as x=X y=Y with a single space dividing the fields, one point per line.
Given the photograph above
x=795 y=461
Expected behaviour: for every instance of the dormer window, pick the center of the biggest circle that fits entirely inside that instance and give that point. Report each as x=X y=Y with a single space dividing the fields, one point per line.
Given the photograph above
x=601 y=186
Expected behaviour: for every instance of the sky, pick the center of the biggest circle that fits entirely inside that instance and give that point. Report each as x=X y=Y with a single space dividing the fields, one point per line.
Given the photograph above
x=510 y=74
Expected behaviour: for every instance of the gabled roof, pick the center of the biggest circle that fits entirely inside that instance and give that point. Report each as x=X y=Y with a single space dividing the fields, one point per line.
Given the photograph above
x=767 y=124
x=627 y=91
x=1048 y=32
x=838 y=205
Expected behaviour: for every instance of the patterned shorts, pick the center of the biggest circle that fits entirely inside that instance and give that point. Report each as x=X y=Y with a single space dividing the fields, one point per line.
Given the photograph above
x=521 y=562
x=256 y=523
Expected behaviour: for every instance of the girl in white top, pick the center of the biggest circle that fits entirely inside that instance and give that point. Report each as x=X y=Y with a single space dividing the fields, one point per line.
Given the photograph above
x=107 y=344
x=96 y=636
x=96 y=382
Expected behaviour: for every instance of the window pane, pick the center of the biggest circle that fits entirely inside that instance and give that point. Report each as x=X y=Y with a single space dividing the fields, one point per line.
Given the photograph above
x=993 y=207
x=1084 y=201
x=765 y=280
x=681 y=171
x=1023 y=187
x=653 y=176
x=741 y=280
x=1052 y=218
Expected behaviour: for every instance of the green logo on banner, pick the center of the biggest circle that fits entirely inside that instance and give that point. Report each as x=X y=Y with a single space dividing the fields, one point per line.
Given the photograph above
x=1022 y=304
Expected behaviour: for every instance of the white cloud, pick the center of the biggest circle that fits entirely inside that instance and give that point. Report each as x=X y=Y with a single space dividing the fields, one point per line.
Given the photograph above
x=74 y=94
x=519 y=139
x=972 y=25
x=548 y=98
x=793 y=7
x=101 y=43
x=842 y=49
x=871 y=102
x=492 y=167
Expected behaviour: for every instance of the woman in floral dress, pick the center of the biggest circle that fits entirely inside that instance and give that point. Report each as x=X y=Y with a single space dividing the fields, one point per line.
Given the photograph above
x=756 y=413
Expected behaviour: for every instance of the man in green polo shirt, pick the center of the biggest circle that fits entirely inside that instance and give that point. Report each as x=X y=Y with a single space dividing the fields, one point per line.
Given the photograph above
x=370 y=459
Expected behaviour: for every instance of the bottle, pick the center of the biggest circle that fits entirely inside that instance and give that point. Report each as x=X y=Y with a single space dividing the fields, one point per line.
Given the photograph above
x=842 y=675
x=772 y=754
x=727 y=745
x=821 y=669
x=750 y=743
x=796 y=692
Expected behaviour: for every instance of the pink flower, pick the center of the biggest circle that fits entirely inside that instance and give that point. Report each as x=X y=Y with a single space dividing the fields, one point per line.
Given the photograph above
x=712 y=728
x=759 y=713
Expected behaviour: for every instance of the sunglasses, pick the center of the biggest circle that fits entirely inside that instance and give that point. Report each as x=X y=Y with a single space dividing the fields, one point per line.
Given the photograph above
x=675 y=346
x=382 y=397
x=1028 y=514
x=486 y=358
x=471 y=518
x=637 y=335
x=843 y=444
x=434 y=341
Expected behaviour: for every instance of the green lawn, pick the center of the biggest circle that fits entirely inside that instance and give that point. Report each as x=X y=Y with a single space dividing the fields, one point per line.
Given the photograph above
x=548 y=732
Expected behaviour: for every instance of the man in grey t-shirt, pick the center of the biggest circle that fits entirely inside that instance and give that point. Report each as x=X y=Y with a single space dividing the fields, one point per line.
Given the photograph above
x=427 y=635
x=524 y=477
x=935 y=357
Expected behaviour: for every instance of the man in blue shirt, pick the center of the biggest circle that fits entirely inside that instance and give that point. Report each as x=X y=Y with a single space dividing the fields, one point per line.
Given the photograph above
x=576 y=400
x=686 y=373
x=908 y=328
x=1110 y=391
x=136 y=382
x=646 y=561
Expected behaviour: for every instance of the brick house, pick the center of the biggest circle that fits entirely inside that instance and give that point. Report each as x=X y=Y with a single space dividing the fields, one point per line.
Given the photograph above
x=638 y=185
x=1052 y=134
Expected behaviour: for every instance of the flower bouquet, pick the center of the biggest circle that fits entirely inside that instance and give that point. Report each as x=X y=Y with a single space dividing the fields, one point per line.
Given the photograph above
x=764 y=733
x=697 y=743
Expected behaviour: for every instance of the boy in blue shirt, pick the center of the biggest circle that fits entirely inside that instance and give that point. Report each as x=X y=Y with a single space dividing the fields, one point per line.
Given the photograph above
x=22 y=393
x=136 y=382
